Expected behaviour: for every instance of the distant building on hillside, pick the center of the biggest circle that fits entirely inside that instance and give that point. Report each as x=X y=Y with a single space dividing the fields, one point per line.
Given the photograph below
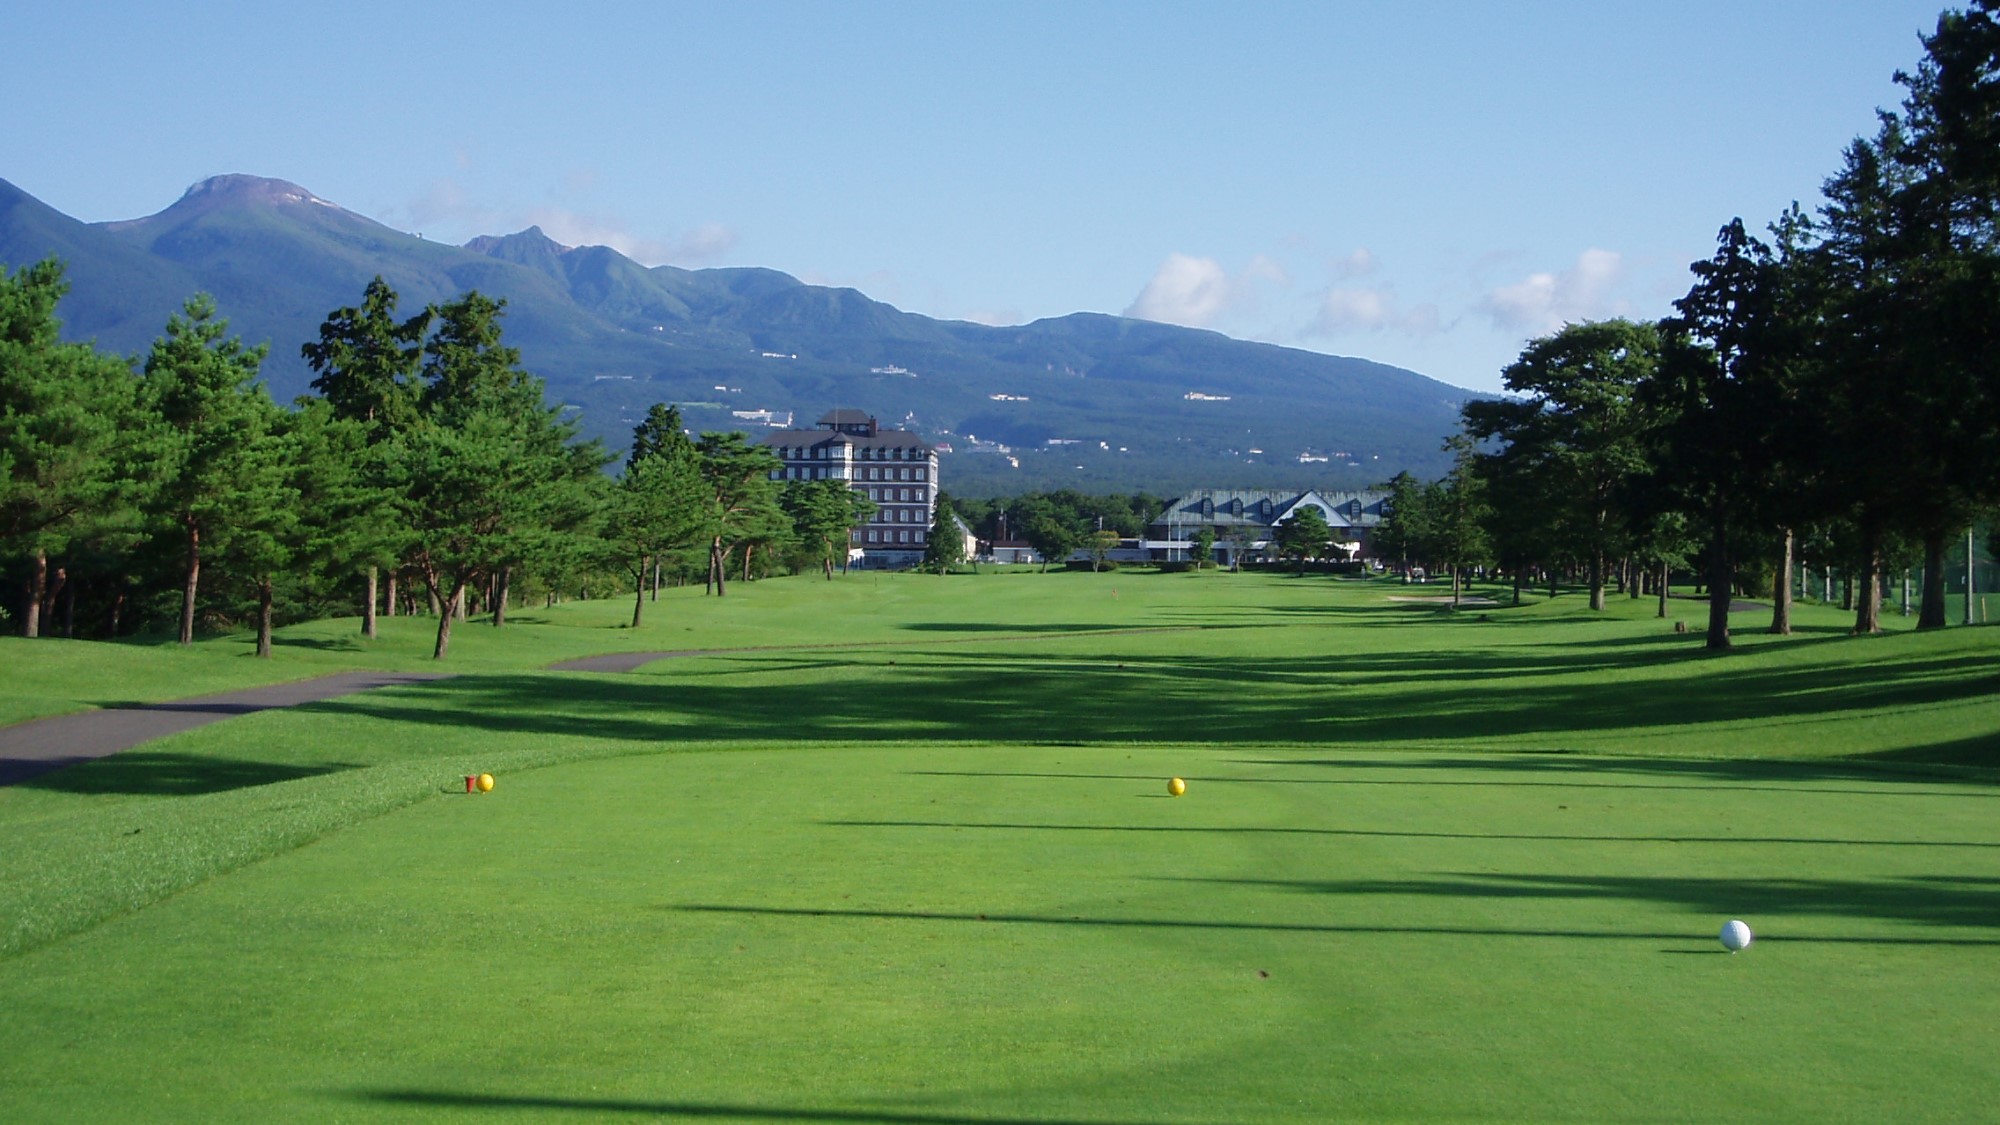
x=895 y=468
x=1245 y=520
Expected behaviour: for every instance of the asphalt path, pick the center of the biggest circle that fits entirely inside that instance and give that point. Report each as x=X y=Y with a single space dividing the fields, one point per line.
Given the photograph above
x=35 y=747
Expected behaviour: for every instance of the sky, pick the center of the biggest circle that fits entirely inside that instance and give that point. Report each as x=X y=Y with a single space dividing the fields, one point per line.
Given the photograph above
x=1425 y=185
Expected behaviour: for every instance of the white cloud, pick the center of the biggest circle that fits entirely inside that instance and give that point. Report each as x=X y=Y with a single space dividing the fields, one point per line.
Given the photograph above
x=1346 y=310
x=995 y=318
x=1359 y=263
x=447 y=204
x=1544 y=302
x=696 y=246
x=1263 y=268
x=1349 y=309
x=704 y=243
x=1184 y=290
x=1196 y=292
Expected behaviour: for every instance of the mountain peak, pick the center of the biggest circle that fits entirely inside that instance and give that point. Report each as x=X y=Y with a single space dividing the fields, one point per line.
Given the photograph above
x=512 y=246
x=238 y=187
x=220 y=193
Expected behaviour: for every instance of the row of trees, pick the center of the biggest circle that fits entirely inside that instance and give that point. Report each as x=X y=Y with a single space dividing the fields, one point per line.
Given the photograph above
x=1060 y=523
x=1827 y=391
x=426 y=453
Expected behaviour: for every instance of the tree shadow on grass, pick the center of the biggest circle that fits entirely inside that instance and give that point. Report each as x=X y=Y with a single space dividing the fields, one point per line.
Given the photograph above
x=157 y=773
x=1266 y=926
x=1980 y=751
x=1519 y=768
x=1806 y=772
x=1537 y=837
x=489 y=1103
x=952 y=693
x=323 y=644
x=1923 y=901
x=1097 y=628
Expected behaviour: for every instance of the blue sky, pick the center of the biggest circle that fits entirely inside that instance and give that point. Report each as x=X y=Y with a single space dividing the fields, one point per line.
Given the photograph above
x=1424 y=185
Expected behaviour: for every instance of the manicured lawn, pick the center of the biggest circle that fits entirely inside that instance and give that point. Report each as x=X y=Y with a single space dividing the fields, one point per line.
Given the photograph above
x=907 y=855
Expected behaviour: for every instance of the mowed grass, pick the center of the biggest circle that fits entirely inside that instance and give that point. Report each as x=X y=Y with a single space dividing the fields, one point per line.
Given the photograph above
x=907 y=855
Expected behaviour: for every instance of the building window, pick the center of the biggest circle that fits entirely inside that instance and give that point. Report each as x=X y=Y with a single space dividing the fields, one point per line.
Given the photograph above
x=1207 y=509
x=920 y=474
x=872 y=535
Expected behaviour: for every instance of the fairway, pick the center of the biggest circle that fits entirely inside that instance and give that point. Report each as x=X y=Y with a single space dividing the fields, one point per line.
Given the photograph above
x=1427 y=867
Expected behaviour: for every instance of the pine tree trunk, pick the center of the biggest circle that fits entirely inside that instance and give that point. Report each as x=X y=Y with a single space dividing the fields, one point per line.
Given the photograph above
x=193 y=584
x=656 y=576
x=264 y=618
x=69 y=610
x=639 y=596
x=1781 y=590
x=1721 y=582
x=368 y=607
x=390 y=607
x=500 y=586
x=1847 y=589
x=718 y=564
x=1868 y=607
x=31 y=616
x=53 y=595
x=444 y=617
x=748 y=550
x=1931 y=613
x=1666 y=581
x=1596 y=579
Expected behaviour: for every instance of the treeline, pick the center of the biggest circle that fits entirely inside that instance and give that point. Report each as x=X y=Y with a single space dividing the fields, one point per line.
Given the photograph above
x=1057 y=524
x=427 y=474
x=1825 y=393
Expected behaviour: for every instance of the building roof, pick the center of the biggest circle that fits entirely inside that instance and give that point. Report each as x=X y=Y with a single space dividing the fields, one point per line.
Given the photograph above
x=846 y=418
x=812 y=439
x=1263 y=508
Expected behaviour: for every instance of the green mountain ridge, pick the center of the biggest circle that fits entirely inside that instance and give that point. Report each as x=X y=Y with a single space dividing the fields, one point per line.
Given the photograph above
x=1085 y=400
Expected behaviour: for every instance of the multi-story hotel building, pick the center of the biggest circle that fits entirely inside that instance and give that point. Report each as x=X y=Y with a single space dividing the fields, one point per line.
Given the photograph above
x=895 y=468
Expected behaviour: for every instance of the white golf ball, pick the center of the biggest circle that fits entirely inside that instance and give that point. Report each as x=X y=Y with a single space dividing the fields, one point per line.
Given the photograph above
x=1735 y=935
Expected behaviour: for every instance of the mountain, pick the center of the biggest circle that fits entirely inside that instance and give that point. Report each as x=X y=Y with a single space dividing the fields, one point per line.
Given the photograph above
x=1095 y=402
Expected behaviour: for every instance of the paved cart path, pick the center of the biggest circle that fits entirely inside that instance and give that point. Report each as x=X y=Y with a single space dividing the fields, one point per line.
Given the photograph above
x=35 y=747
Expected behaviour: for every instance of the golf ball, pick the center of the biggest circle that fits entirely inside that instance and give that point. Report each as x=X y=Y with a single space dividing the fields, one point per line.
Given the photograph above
x=1735 y=935
x=486 y=786
x=1176 y=787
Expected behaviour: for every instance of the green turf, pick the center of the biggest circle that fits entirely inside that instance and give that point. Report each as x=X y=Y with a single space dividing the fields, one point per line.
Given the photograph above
x=907 y=856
